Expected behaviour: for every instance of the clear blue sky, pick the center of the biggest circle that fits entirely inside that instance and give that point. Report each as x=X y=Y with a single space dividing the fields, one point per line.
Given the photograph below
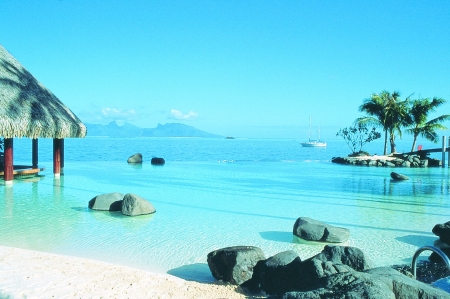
x=239 y=68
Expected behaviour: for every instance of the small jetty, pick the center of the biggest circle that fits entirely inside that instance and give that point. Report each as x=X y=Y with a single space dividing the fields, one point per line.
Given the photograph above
x=419 y=158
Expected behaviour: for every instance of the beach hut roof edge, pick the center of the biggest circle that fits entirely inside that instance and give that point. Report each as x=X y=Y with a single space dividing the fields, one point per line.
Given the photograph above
x=28 y=109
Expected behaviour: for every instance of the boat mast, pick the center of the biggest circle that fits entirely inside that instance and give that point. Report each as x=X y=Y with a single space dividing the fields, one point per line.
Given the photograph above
x=309 y=130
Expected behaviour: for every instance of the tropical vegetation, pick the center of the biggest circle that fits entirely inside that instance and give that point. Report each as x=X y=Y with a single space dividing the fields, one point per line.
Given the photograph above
x=358 y=135
x=389 y=112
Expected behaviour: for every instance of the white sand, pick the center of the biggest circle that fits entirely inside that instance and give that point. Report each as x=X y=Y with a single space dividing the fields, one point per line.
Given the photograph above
x=30 y=274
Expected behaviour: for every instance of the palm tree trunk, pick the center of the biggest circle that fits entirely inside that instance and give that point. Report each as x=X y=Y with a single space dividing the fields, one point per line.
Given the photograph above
x=414 y=142
x=385 y=142
x=392 y=141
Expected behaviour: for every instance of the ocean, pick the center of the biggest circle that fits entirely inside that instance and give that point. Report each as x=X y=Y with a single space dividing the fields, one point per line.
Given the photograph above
x=215 y=193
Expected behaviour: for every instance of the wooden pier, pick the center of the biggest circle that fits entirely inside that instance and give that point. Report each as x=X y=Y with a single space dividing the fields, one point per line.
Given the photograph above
x=423 y=153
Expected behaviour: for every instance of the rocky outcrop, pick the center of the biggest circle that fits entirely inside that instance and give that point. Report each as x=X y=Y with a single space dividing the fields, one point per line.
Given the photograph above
x=136 y=158
x=398 y=177
x=397 y=160
x=443 y=243
x=107 y=202
x=314 y=230
x=234 y=264
x=157 y=161
x=134 y=205
x=336 y=272
x=371 y=284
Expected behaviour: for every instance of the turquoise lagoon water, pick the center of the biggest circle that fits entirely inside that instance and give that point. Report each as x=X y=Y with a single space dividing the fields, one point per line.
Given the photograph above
x=214 y=193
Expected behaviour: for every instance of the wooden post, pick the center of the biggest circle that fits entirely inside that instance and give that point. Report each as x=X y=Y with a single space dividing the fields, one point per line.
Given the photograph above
x=56 y=157
x=444 y=141
x=35 y=153
x=62 y=155
x=9 y=166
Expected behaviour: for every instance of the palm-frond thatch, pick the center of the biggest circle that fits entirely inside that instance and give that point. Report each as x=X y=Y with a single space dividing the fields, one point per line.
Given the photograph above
x=28 y=109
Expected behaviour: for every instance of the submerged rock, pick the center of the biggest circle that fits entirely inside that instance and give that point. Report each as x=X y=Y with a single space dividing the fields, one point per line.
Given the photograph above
x=157 y=161
x=398 y=177
x=107 y=202
x=136 y=158
x=134 y=205
x=314 y=230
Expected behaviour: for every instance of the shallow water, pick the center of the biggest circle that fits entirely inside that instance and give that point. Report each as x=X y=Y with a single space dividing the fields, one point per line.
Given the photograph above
x=217 y=193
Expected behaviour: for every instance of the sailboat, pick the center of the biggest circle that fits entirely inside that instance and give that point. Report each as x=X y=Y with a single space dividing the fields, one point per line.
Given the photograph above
x=313 y=143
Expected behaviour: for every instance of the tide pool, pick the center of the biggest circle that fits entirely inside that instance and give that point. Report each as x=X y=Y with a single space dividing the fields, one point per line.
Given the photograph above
x=216 y=197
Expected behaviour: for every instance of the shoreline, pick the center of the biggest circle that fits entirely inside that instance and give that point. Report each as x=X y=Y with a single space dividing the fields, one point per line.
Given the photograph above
x=33 y=274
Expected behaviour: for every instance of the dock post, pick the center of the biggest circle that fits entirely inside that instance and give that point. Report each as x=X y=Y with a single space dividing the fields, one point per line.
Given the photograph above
x=444 y=147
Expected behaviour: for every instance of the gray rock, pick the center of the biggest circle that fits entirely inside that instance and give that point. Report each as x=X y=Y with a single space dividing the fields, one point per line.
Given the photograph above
x=136 y=158
x=107 y=202
x=277 y=274
x=157 y=161
x=314 y=230
x=285 y=271
x=378 y=283
x=134 y=205
x=442 y=231
x=398 y=177
x=234 y=264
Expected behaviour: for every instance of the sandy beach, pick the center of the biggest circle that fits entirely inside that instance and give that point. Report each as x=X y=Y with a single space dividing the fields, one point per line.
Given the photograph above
x=32 y=274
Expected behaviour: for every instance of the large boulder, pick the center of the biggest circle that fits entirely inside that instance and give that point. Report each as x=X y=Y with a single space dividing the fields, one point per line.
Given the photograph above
x=442 y=231
x=136 y=158
x=107 y=202
x=314 y=230
x=234 y=264
x=398 y=177
x=275 y=275
x=134 y=205
x=377 y=283
x=285 y=271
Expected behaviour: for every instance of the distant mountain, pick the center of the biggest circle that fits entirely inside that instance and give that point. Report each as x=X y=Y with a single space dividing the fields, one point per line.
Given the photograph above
x=129 y=130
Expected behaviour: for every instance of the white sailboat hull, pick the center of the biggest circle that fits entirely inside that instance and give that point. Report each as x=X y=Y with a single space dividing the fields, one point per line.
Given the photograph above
x=314 y=144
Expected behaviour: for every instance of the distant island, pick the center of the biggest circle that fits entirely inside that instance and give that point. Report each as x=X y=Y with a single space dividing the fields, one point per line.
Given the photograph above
x=129 y=130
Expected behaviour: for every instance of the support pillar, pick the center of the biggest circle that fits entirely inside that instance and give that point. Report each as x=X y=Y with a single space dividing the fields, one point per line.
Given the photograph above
x=56 y=157
x=62 y=155
x=9 y=166
x=35 y=153
x=444 y=147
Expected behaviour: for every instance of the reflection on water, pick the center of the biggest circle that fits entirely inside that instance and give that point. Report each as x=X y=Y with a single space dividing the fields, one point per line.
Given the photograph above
x=203 y=206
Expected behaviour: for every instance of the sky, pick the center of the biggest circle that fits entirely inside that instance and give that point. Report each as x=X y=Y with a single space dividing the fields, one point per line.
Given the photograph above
x=256 y=69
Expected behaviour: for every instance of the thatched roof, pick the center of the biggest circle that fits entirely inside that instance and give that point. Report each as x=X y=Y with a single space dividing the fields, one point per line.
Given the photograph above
x=28 y=109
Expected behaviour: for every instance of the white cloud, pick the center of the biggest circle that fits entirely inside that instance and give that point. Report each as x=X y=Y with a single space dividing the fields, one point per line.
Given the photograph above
x=177 y=114
x=107 y=115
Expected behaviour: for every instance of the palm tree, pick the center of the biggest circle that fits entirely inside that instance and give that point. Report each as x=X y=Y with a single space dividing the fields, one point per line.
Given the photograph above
x=420 y=126
x=387 y=111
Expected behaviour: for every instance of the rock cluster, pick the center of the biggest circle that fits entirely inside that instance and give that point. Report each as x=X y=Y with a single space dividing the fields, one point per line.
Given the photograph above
x=129 y=204
x=400 y=160
x=336 y=272
x=314 y=230
x=443 y=243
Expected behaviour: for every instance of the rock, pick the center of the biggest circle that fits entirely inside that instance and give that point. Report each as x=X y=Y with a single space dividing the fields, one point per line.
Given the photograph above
x=134 y=205
x=107 y=202
x=314 y=230
x=234 y=264
x=375 y=283
x=278 y=274
x=285 y=272
x=157 y=161
x=136 y=158
x=442 y=231
x=398 y=177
